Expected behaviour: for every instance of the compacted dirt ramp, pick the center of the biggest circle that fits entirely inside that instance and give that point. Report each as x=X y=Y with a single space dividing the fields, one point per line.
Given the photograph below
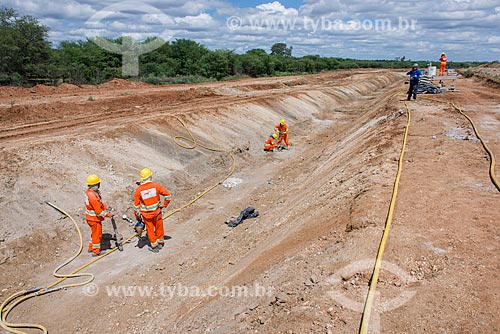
x=304 y=264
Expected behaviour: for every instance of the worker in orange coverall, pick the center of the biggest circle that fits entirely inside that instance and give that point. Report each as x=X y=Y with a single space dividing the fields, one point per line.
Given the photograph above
x=95 y=212
x=282 y=130
x=147 y=205
x=269 y=146
x=442 y=66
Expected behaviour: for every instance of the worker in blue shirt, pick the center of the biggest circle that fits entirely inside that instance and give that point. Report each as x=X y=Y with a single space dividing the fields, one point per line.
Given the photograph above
x=415 y=75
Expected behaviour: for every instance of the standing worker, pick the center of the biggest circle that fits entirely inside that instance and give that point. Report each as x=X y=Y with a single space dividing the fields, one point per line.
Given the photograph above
x=269 y=146
x=95 y=212
x=147 y=205
x=414 y=80
x=282 y=130
x=442 y=66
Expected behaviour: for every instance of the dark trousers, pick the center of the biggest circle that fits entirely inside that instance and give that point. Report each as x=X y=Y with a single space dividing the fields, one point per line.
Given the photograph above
x=412 y=90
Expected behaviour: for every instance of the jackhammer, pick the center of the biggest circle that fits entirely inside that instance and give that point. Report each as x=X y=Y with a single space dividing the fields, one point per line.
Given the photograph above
x=117 y=237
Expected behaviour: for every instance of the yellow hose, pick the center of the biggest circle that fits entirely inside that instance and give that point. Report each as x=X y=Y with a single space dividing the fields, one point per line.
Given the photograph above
x=487 y=149
x=17 y=298
x=14 y=300
x=62 y=276
x=191 y=139
x=365 y=319
x=478 y=135
x=194 y=143
x=376 y=271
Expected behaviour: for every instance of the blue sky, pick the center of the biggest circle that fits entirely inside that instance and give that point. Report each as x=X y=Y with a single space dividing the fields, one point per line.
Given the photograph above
x=384 y=29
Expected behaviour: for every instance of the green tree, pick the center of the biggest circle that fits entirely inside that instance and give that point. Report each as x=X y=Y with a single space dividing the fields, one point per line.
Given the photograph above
x=216 y=64
x=159 y=63
x=188 y=53
x=253 y=62
x=86 y=62
x=23 y=44
x=26 y=53
x=167 y=68
x=281 y=49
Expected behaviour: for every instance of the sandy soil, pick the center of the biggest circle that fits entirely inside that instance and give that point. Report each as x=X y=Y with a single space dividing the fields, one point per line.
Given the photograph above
x=488 y=74
x=305 y=262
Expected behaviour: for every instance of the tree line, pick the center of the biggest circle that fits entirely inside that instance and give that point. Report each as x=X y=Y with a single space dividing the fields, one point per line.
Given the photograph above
x=27 y=57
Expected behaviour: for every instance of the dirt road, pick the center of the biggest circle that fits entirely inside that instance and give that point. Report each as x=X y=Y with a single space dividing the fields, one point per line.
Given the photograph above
x=304 y=264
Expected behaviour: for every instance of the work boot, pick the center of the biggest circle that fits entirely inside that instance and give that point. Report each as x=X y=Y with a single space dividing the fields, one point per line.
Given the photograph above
x=160 y=246
x=154 y=250
x=101 y=252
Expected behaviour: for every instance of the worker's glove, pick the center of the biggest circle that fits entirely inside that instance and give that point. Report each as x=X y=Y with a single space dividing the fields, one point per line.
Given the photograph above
x=109 y=215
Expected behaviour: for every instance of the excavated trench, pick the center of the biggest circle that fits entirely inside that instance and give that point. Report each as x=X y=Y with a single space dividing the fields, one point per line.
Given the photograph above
x=344 y=132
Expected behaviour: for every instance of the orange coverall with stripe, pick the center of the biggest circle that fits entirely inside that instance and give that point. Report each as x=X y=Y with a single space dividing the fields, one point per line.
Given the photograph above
x=269 y=144
x=283 y=134
x=147 y=201
x=95 y=212
x=442 y=66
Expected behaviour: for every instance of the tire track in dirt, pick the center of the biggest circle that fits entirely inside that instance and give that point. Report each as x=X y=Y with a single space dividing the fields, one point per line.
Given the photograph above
x=121 y=117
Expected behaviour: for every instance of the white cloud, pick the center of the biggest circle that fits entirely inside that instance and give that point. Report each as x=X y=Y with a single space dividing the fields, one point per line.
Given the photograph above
x=56 y=9
x=460 y=26
x=202 y=21
x=493 y=40
x=277 y=8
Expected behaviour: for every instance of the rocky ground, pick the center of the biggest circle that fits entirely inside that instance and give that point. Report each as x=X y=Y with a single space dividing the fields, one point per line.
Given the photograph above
x=304 y=264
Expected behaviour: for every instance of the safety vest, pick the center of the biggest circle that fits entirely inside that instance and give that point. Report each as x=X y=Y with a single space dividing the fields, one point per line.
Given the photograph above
x=95 y=209
x=283 y=129
x=269 y=144
x=147 y=197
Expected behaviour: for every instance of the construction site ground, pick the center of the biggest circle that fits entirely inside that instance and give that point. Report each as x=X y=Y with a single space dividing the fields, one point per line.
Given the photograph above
x=322 y=205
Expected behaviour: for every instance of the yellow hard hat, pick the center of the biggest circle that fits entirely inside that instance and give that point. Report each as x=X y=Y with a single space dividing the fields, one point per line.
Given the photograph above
x=93 y=179
x=274 y=135
x=146 y=173
x=282 y=122
x=443 y=53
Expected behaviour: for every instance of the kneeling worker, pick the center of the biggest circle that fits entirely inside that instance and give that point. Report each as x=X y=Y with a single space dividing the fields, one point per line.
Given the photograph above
x=147 y=205
x=269 y=145
x=95 y=212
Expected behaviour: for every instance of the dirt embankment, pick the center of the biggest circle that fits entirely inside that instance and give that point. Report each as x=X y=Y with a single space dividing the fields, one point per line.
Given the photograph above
x=322 y=205
x=488 y=74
